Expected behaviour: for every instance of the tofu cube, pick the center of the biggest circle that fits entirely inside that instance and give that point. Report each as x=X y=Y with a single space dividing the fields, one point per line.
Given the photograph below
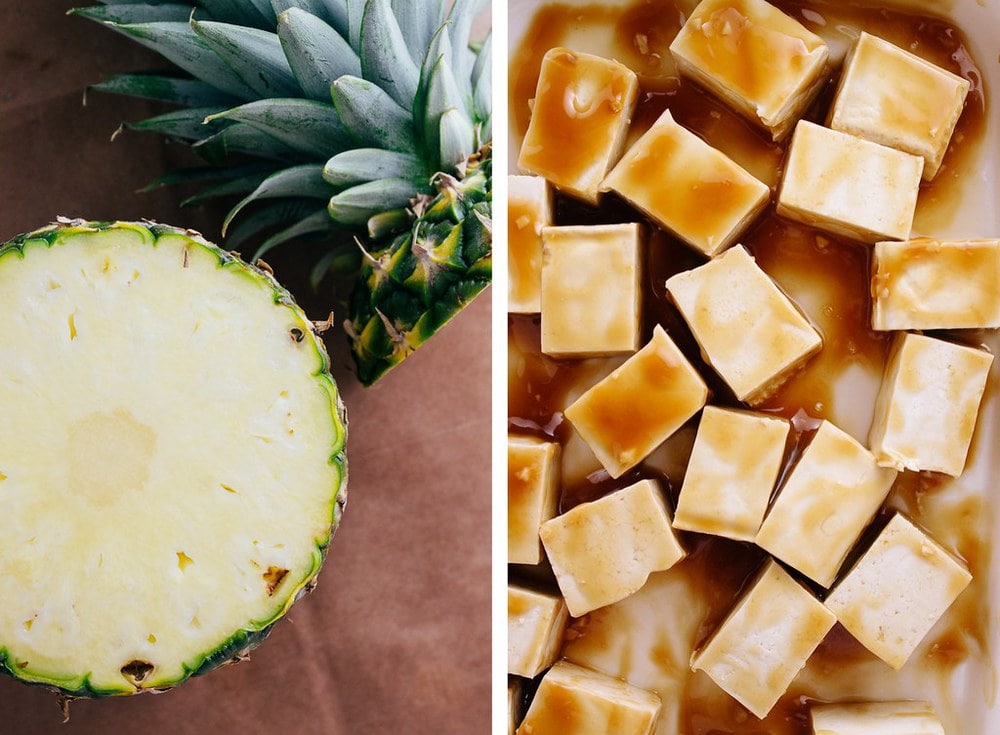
x=926 y=409
x=733 y=468
x=763 y=63
x=579 y=118
x=765 y=640
x=893 y=97
x=532 y=495
x=876 y=718
x=897 y=591
x=591 y=290
x=628 y=414
x=603 y=551
x=529 y=209
x=688 y=187
x=849 y=186
x=572 y=700
x=513 y=704
x=830 y=496
x=748 y=330
x=936 y=284
x=535 y=625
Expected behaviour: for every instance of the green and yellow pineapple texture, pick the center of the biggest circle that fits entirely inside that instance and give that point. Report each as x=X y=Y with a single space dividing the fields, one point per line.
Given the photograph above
x=367 y=122
x=172 y=461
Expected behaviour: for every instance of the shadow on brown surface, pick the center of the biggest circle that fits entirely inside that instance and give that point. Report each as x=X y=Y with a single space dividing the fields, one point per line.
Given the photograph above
x=396 y=638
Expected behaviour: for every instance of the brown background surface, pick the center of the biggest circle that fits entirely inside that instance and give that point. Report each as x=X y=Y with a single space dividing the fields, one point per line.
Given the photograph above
x=396 y=637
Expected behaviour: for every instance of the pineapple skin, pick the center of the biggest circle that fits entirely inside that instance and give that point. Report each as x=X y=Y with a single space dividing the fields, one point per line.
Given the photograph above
x=237 y=646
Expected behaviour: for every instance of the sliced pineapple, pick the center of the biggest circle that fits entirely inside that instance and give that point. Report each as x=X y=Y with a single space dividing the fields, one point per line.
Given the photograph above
x=172 y=457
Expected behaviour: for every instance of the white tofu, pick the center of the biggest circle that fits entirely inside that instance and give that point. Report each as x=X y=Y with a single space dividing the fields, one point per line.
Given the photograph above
x=535 y=625
x=893 y=97
x=876 y=718
x=628 y=414
x=603 y=551
x=763 y=63
x=926 y=283
x=748 y=330
x=830 y=496
x=926 y=409
x=513 y=705
x=572 y=700
x=529 y=209
x=688 y=187
x=579 y=118
x=591 y=290
x=765 y=640
x=532 y=495
x=897 y=591
x=849 y=186
x=732 y=471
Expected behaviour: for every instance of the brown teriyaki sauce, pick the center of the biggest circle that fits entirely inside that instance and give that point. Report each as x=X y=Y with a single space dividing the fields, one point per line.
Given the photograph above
x=829 y=273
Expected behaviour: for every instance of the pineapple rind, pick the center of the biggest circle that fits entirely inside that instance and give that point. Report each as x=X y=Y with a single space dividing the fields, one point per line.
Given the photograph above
x=237 y=645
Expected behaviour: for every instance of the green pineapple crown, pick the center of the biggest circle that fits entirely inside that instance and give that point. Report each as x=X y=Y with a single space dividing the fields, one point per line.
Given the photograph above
x=322 y=116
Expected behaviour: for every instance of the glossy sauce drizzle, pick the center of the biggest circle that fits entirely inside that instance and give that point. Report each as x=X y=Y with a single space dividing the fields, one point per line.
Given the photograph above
x=826 y=276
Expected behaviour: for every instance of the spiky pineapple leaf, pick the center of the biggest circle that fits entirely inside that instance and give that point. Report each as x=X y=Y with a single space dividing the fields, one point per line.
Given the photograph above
x=313 y=128
x=385 y=59
x=462 y=15
x=370 y=164
x=371 y=115
x=482 y=82
x=268 y=215
x=457 y=138
x=137 y=13
x=233 y=187
x=240 y=12
x=305 y=181
x=417 y=22
x=240 y=140
x=355 y=13
x=331 y=12
x=178 y=43
x=187 y=123
x=355 y=205
x=254 y=55
x=316 y=53
x=188 y=92
x=318 y=221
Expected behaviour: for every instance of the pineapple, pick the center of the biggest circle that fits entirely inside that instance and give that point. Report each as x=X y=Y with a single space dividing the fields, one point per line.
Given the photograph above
x=355 y=120
x=172 y=457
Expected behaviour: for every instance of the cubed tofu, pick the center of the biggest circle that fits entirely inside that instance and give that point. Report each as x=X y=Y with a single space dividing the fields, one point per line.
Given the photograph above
x=748 y=330
x=849 y=186
x=688 y=187
x=876 y=718
x=628 y=414
x=579 y=118
x=532 y=494
x=897 y=591
x=926 y=409
x=763 y=63
x=535 y=625
x=830 y=496
x=926 y=283
x=513 y=704
x=765 y=640
x=591 y=291
x=572 y=700
x=893 y=97
x=733 y=468
x=529 y=209
x=603 y=551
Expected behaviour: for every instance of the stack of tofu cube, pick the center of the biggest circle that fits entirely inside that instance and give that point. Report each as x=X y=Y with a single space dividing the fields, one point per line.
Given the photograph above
x=857 y=176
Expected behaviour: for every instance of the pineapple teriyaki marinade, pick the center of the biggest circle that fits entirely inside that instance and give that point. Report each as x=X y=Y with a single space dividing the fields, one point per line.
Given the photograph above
x=362 y=123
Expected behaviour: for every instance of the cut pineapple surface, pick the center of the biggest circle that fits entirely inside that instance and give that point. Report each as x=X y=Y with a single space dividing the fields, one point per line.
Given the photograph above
x=171 y=456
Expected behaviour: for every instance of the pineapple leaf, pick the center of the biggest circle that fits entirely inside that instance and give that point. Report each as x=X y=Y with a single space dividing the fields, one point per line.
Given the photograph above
x=187 y=124
x=188 y=92
x=192 y=175
x=238 y=185
x=463 y=13
x=316 y=53
x=310 y=127
x=266 y=216
x=331 y=12
x=482 y=81
x=318 y=221
x=385 y=59
x=442 y=96
x=457 y=138
x=417 y=22
x=355 y=12
x=439 y=49
x=243 y=139
x=371 y=115
x=237 y=11
x=178 y=43
x=340 y=260
x=355 y=205
x=254 y=55
x=369 y=164
x=305 y=181
x=137 y=13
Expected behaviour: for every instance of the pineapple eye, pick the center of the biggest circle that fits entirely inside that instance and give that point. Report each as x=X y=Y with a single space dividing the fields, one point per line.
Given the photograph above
x=297 y=334
x=136 y=671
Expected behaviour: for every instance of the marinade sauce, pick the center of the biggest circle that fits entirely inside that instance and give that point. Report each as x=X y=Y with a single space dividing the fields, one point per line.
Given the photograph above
x=828 y=277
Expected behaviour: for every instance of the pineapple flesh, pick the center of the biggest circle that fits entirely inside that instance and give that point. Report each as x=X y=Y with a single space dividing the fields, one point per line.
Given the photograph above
x=350 y=120
x=172 y=461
